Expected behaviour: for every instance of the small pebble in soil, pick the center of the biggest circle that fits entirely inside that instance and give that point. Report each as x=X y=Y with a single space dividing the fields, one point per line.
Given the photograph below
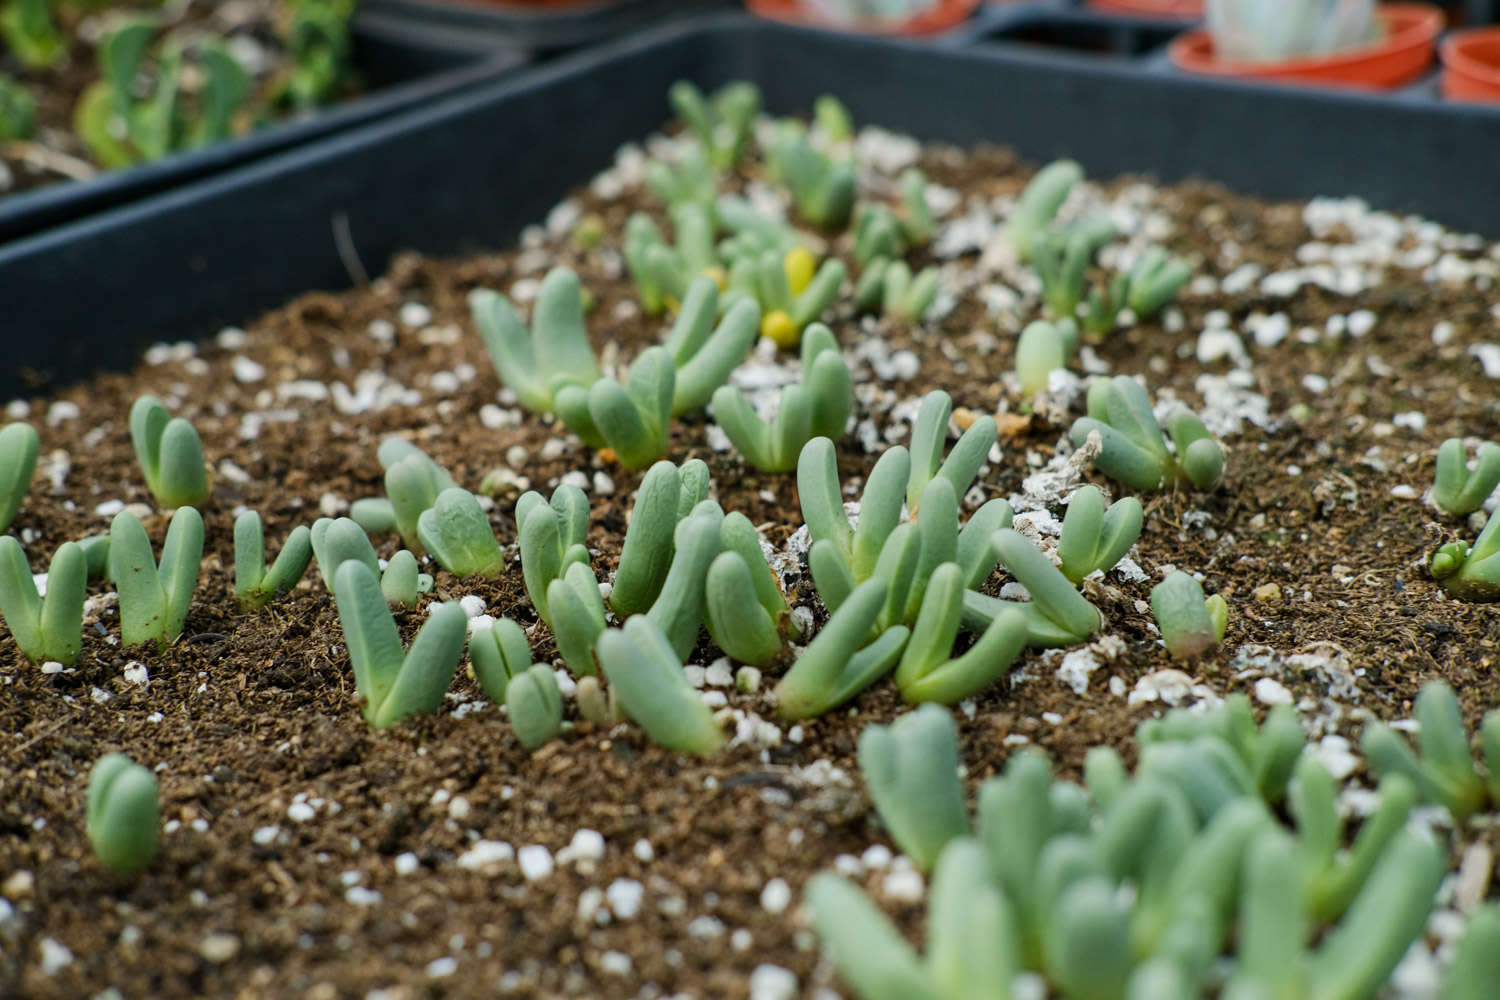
x=55 y=956
x=407 y=863
x=643 y=851
x=772 y=982
x=486 y=854
x=219 y=948
x=535 y=862
x=775 y=896
x=624 y=896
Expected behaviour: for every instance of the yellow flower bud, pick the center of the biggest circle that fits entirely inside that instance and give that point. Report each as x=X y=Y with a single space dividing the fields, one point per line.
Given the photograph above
x=778 y=326
x=799 y=265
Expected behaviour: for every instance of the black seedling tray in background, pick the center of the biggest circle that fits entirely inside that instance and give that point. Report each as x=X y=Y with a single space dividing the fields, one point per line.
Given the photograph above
x=470 y=170
x=402 y=66
x=1075 y=32
x=540 y=28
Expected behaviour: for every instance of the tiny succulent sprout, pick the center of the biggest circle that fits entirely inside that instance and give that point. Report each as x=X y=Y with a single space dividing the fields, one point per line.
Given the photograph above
x=703 y=353
x=687 y=180
x=1471 y=573
x=412 y=482
x=632 y=420
x=154 y=600
x=1042 y=349
x=1456 y=488
x=1061 y=259
x=819 y=406
x=791 y=292
x=1056 y=615
x=17 y=109
x=741 y=626
x=647 y=678
x=497 y=654
x=534 y=704
x=663 y=273
x=928 y=435
x=254 y=583
x=402 y=581
x=47 y=628
x=1094 y=537
x=841 y=661
x=911 y=768
x=721 y=123
x=18 y=451
x=554 y=353
x=678 y=609
x=666 y=496
x=1155 y=281
x=170 y=454
x=1444 y=774
x=926 y=671
x=890 y=287
x=1038 y=205
x=1476 y=966
x=823 y=188
x=1133 y=448
x=335 y=540
x=1268 y=754
x=31 y=34
x=394 y=682
x=578 y=618
x=552 y=538
x=122 y=820
x=1190 y=625
x=833 y=119
x=458 y=534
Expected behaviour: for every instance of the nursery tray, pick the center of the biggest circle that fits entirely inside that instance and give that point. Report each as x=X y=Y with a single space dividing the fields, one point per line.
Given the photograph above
x=533 y=26
x=401 y=65
x=471 y=169
x=1081 y=33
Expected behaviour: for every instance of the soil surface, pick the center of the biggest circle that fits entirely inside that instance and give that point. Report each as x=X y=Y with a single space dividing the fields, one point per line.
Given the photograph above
x=306 y=855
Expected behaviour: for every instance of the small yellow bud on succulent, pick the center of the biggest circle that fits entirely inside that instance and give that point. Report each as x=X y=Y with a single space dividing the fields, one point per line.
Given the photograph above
x=779 y=328
x=720 y=277
x=799 y=265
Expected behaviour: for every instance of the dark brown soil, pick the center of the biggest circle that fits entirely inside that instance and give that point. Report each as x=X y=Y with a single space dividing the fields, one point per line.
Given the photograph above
x=250 y=711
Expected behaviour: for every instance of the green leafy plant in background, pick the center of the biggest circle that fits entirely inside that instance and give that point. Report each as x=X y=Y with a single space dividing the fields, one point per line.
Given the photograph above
x=666 y=496
x=46 y=628
x=1190 y=624
x=1038 y=205
x=889 y=287
x=662 y=272
x=911 y=768
x=1455 y=488
x=497 y=654
x=721 y=123
x=315 y=36
x=822 y=187
x=833 y=120
x=1095 y=537
x=1061 y=259
x=254 y=583
x=18 y=450
x=122 y=821
x=30 y=33
x=1267 y=754
x=842 y=660
x=121 y=128
x=534 y=704
x=1043 y=348
x=17 y=110
x=170 y=454
x=412 y=484
x=1444 y=773
x=1134 y=448
x=1146 y=289
x=819 y=406
x=646 y=676
x=687 y=180
x=881 y=232
x=554 y=353
x=1470 y=572
x=337 y=540
x=552 y=536
x=458 y=534
x=154 y=599
x=393 y=682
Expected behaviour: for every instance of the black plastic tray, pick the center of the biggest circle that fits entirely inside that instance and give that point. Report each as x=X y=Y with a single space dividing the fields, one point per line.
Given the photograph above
x=537 y=28
x=403 y=65
x=470 y=170
x=1079 y=33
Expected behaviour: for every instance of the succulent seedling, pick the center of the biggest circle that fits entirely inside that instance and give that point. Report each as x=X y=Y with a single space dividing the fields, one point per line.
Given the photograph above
x=497 y=654
x=1267 y=754
x=154 y=600
x=927 y=672
x=122 y=821
x=316 y=39
x=632 y=420
x=18 y=450
x=1470 y=572
x=1455 y=488
x=46 y=628
x=687 y=180
x=1095 y=537
x=555 y=352
x=1042 y=349
x=402 y=580
x=335 y=541
x=842 y=661
x=394 y=682
x=1056 y=615
x=534 y=703
x=1134 y=448
x=721 y=123
x=1190 y=624
x=458 y=534
x=744 y=608
x=792 y=288
x=254 y=583
x=17 y=110
x=578 y=617
x=705 y=353
x=1038 y=205
x=552 y=537
x=678 y=609
x=929 y=433
x=170 y=454
x=667 y=495
x=663 y=272
x=889 y=287
x=822 y=187
x=817 y=407
x=911 y=768
x=1061 y=259
x=646 y=676
x=412 y=483
x=1444 y=773
x=31 y=34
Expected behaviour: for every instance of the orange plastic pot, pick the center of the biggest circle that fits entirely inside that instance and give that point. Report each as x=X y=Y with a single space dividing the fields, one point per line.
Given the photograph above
x=947 y=14
x=1471 y=65
x=1151 y=8
x=1401 y=55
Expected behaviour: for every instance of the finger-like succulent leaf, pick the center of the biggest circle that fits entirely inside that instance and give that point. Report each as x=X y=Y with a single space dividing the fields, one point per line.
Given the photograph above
x=122 y=821
x=170 y=454
x=46 y=628
x=254 y=584
x=739 y=624
x=154 y=599
x=1052 y=596
x=534 y=704
x=401 y=581
x=1038 y=204
x=870 y=954
x=678 y=609
x=458 y=534
x=1095 y=538
x=18 y=450
x=1187 y=626
x=834 y=667
x=497 y=654
x=1455 y=489
x=647 y=677
x=337 y=540
x=911 y=768
x=646 y=554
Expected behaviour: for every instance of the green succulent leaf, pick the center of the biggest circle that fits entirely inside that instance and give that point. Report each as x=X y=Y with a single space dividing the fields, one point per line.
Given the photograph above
x=122 y=820
x=18 y=451
x=647 y=677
